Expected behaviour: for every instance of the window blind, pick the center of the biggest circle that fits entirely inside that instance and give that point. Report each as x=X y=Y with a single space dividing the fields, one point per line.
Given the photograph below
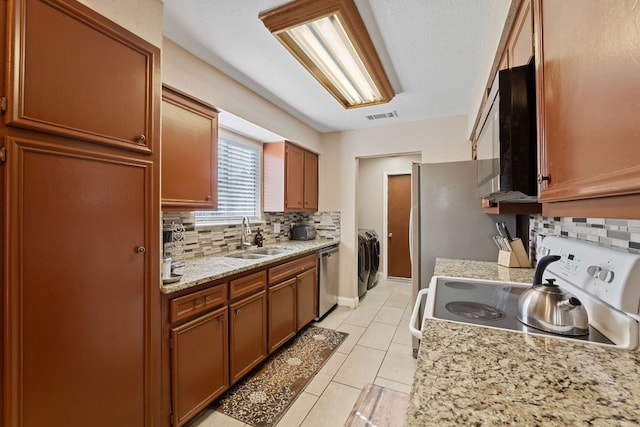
x=238 y=182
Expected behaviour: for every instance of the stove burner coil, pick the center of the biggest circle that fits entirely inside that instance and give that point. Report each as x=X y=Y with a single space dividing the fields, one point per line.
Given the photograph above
x=474 y=310
x=460 y=285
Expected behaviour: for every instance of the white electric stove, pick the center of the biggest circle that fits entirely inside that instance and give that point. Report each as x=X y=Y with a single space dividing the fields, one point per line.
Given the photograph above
x=606 y=281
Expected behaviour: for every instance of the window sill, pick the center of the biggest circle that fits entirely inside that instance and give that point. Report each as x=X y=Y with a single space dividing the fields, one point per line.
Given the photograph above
x=209 y=224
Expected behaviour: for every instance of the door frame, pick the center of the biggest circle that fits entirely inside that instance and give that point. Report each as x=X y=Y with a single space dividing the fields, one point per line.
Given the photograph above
x=385 y=203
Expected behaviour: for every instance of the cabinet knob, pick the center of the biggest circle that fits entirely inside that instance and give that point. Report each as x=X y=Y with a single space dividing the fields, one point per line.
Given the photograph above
x=207 y=298
x=209 y=197
x=542 y=178
x=198 y=302
x=141 y=138
x=140 y=249
x=221 y=319
x=237 y=312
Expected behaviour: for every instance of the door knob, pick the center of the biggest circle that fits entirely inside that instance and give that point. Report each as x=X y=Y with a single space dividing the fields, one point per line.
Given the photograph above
x=390 y=234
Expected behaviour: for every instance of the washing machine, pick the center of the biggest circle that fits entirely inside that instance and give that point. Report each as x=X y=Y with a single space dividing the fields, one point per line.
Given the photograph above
x=364 y=264
x=374 y=255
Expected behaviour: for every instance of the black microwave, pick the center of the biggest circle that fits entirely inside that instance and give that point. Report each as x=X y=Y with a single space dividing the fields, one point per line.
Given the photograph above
x=507 y=138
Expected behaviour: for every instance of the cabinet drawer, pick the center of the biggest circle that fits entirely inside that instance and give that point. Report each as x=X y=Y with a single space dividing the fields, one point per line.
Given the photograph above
x=248 y=284
x=198 y=302
x=291 y=268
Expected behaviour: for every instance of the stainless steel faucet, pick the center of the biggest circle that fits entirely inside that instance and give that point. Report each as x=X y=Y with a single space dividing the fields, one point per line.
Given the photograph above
x=245 y=231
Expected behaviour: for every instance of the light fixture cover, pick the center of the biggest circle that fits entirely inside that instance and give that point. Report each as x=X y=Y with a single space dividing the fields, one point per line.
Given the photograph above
x=330 y=40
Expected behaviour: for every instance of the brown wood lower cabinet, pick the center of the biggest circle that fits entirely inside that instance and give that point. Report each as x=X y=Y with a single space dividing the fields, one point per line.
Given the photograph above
x=199 y=363
x=293 y=299
x=218 y=333
x=307 y=297
x=282 y=313
x=248 y=329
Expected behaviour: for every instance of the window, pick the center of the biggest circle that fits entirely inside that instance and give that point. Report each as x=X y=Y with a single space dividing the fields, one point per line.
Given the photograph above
x=238 y=179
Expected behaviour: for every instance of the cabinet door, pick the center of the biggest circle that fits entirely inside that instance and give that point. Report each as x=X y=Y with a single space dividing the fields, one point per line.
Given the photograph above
x=79 y=75
x=82 y=296
x=282 y=313
x=588 y=92
x=310 y=181
x=199 y=364
x=307 y=297
x=189 y=153
x=248 y=339
x=294 y=177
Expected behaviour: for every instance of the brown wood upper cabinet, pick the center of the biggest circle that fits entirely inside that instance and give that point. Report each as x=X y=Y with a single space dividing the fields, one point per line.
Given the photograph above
x=520 y=44
x=81 y=322
x=189 y=153
x=76 y=74
x=290 y=178
x=588 y=92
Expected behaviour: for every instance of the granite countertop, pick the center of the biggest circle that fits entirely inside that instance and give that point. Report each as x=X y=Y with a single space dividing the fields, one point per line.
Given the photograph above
x=206 y=269
x=482 y=270
x=469 y=375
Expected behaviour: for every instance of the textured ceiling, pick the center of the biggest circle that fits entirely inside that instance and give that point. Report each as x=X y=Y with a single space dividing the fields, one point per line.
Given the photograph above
x=429 y=48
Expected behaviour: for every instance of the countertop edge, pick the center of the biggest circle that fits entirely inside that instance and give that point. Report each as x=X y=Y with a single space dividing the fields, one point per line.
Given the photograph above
x=227 y=267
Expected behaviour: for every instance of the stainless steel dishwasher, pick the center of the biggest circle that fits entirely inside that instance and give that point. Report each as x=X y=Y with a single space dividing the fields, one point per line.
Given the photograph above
x=328 y=276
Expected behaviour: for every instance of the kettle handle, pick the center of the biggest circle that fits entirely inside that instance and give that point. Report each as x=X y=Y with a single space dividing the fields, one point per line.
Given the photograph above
x=542 y=265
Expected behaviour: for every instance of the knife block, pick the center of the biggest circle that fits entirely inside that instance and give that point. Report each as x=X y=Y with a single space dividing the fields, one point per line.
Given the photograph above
x=517 y=257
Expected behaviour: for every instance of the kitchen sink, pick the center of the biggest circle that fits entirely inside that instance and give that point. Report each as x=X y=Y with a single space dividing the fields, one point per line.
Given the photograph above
x=270 y=251
x=247 y=256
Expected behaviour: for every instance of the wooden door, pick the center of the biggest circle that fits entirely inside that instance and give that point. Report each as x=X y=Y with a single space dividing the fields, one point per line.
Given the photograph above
x=189 y=153
x=282 y=313
x=82 y=344
x=199 y=364
x=294 y=177
x=310 y=181
x=79 y=75
x=248 y=340
x=398 y=209
x=307 y=298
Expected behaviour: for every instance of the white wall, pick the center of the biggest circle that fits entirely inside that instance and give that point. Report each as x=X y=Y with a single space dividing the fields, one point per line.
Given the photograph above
x=438 y=140
x=371 y=209
x=141 y=17
x=188 y=73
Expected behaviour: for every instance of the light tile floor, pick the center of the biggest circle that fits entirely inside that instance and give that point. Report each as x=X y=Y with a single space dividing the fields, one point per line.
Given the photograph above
x=378 y=350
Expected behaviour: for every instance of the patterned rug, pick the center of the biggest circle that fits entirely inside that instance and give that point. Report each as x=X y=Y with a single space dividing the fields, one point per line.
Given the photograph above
x=264 y=396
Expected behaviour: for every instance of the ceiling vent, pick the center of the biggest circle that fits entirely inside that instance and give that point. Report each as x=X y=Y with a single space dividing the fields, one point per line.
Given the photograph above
x=382 y=116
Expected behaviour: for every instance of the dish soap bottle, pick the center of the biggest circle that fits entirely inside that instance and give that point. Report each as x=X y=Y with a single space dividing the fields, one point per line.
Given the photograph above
x=259 y=239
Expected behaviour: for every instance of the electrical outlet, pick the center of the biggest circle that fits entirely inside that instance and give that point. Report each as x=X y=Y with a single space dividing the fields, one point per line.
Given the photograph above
x=276 y=228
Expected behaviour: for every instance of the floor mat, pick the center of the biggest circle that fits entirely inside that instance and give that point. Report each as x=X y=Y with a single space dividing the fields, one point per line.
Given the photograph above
x=264 y=396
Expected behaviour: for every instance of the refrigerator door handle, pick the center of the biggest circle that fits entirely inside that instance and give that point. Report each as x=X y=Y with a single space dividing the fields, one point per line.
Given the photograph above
x=414 y=314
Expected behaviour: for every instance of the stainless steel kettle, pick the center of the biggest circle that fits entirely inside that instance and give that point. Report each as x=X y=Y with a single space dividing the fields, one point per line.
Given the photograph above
x=548 y=307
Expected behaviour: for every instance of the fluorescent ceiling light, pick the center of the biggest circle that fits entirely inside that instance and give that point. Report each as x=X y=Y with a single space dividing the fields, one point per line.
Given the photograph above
x=330 y=40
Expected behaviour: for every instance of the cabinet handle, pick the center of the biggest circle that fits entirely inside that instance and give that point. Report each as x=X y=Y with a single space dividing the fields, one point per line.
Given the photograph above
x=207 y=298
x=141 y=249
x=542 y=178
x=237 y=311
x=221 y=319
x=141 y=138
x=209 y=197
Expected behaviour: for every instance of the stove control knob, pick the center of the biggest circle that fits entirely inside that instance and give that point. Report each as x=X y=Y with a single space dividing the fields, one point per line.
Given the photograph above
x=606 y=276
x=593 y=271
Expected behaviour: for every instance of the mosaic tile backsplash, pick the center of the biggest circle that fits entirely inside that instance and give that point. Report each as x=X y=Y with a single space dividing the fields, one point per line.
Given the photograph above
x=204 y=240
x=617 y=233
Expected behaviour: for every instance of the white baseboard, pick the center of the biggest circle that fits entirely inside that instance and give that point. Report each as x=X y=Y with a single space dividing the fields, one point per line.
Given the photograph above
x=348 y=302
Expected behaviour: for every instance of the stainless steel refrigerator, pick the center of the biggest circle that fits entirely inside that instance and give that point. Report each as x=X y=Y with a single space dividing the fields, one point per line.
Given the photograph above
x=447 y=219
